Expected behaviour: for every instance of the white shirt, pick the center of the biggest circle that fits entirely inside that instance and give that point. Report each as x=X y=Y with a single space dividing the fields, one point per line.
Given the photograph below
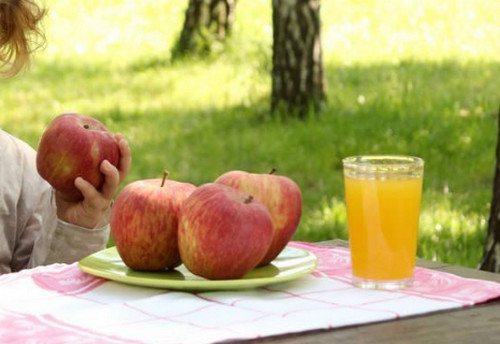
x=30 y=233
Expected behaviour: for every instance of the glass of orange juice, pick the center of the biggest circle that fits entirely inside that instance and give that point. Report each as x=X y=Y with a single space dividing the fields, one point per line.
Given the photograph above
x=383 y=194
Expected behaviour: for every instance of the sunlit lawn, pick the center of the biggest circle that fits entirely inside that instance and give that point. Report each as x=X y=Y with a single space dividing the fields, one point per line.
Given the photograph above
x=409 y=77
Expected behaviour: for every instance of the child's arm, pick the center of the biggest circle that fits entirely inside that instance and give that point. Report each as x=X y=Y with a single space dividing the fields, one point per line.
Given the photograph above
x=32 y=233
x=81 y=228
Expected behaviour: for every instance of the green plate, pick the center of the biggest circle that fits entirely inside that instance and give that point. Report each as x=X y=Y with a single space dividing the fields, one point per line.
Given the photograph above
x=290 y=264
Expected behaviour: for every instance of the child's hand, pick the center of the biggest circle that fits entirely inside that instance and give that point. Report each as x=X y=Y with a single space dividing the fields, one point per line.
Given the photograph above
x=89 y=211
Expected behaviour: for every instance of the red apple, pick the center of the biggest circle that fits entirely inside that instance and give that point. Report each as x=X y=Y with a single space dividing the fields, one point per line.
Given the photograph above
x=223 y=233
x=280 y=195
x=144 y=223
x=72 y=146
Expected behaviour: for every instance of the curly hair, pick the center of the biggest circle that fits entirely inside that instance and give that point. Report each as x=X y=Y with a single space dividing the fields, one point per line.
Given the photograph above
x=20 y=34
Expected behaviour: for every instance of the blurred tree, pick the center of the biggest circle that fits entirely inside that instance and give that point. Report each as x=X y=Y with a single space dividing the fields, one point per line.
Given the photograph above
x=207 y=22
x=491 y=255
x=297 y=75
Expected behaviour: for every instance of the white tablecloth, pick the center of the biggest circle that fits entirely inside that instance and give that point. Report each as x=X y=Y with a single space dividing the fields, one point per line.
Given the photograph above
x=61 y=304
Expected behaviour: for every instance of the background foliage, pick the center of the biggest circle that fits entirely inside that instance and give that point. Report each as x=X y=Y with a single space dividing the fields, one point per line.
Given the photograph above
x=410 y=77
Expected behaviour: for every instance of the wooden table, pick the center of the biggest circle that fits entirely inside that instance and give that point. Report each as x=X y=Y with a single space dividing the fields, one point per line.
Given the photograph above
x=479 y=324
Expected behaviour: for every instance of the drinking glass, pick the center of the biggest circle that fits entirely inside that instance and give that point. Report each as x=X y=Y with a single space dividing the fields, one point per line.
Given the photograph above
x=383 y=195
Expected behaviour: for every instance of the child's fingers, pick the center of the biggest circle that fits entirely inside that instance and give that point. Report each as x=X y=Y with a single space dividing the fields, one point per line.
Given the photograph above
x=111 y=180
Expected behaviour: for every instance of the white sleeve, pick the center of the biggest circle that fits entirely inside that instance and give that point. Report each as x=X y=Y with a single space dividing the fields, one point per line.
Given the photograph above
x=62 y=242
x=43 y=239
x=68 y=243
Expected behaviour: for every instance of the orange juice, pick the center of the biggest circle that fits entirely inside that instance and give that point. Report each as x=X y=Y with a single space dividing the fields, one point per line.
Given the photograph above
x=383 y=216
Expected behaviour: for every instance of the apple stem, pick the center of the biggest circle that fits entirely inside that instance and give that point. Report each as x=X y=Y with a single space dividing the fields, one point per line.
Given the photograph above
x=86 y=126
x=272 y=171
x=249 y=199
x=165 y=176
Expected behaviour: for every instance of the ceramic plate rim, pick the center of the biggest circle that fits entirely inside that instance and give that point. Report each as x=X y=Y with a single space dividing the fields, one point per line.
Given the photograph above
x=304 y=267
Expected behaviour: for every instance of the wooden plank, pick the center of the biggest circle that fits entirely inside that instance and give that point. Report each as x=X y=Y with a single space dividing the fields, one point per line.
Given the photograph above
x=471 y=273
x=480 y=324
x=456 y=270
x=476 y=324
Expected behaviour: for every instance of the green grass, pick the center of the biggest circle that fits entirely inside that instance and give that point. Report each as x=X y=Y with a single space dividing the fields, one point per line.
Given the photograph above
x=412 y=77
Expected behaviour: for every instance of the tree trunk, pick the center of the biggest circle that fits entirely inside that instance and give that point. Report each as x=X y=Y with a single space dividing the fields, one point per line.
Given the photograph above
x=206 y=22
x=491 y=255
x=297 y=76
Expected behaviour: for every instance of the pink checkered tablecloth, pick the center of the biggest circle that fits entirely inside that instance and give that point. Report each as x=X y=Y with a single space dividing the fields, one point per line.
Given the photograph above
x=62 y=304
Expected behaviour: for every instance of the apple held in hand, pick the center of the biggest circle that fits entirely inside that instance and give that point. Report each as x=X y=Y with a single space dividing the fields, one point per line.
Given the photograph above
x=144 y=223
x=223 y=233
x=280 y=195
x=74 y=145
